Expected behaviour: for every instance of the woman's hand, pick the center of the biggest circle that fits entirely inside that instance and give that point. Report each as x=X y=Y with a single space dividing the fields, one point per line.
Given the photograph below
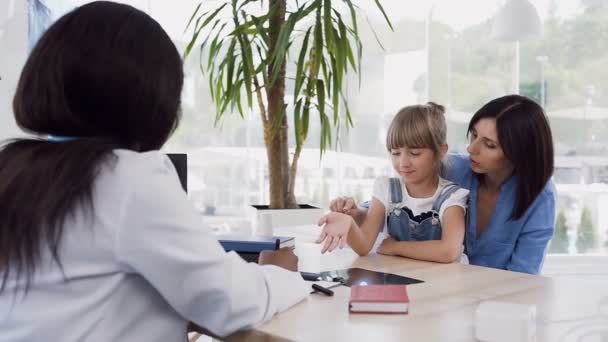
x=388 y=246
x=283 y=257
x=335 y=232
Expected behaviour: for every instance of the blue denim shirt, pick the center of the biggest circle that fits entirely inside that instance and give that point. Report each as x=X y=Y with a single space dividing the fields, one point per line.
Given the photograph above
x=516 y=245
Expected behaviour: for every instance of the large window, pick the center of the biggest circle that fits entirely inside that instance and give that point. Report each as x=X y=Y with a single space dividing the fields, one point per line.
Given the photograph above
x=442 y=51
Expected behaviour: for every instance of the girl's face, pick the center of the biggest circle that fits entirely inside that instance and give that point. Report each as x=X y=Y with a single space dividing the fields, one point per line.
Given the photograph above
x=486 y=154
x=414 y=165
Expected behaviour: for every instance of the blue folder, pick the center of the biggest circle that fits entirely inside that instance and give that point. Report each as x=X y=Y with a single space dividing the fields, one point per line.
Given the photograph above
x=254 y=243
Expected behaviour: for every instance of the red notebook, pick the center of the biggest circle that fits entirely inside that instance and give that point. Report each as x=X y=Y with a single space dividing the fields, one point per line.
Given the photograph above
x=378 y=299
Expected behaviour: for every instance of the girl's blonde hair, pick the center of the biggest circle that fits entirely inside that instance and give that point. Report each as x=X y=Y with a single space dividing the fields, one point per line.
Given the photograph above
x=419 y=126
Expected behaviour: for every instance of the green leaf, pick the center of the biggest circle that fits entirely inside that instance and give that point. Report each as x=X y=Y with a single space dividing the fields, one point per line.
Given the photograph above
x=375 y=34
x=327 y=131
x=248 y=72
x=340 y=60
x=318 y=46
x=325 y=134
x=335 y=95
x=219 y=95
x=297 y=125
x=277 y=58
x=213 y=50
x=236 y=97
x=198 y=7
x=245 y=3
x=349 y=119
x=329 y=38
x=300 y=66
x=213 y=15
x=359 y=57
x=345 y=51
x=256 y=22
x=321 y=96
x=261 y=30
x=388 y=21
x=326 y=73
x=197 y=31
x=311 y=8
x=230 y=59
x=206 y=40
x=305 y=121
x=351 y=57
x=353 y=15
x=211 y=85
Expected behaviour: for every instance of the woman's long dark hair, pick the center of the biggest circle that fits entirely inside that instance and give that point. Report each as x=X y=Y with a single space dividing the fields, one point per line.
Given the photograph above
x=106 y=74
x=525 y=136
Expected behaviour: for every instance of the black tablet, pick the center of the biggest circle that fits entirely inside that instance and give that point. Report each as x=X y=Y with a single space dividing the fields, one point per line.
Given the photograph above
x=360 y=276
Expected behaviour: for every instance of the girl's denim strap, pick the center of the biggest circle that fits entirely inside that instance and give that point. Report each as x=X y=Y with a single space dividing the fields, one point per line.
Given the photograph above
x=446 y=192
x=395 y=188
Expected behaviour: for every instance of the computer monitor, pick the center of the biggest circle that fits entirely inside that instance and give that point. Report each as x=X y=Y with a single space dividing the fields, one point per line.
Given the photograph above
x=180 y=161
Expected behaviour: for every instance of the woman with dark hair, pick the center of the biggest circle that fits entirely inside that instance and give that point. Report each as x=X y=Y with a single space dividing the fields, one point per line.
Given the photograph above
x=511 y=214
x=97 y=238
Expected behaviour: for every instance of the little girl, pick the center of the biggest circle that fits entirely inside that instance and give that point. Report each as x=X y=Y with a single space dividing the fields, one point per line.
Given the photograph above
x=424 y=213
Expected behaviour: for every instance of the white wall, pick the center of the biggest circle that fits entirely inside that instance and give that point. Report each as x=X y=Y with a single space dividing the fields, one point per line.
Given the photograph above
x=13 y=51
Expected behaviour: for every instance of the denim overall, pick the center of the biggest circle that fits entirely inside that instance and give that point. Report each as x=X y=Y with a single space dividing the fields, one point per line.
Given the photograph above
x=402 y=228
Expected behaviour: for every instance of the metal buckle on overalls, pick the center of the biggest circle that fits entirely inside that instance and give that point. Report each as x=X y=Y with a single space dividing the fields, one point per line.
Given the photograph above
x=435 y=219
x=397 y=211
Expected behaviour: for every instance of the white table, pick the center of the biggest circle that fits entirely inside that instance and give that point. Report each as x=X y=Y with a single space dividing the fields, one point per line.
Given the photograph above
x=442 y=308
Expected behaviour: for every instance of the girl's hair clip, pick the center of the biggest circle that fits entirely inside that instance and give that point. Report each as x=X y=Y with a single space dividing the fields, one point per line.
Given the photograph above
x=60 y=138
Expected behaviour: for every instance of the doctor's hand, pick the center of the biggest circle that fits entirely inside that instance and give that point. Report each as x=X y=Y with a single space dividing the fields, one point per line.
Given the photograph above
x=335 y=232
x=283 y=257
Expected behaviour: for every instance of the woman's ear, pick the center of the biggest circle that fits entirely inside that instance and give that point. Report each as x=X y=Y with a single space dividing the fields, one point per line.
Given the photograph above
x=443 y=149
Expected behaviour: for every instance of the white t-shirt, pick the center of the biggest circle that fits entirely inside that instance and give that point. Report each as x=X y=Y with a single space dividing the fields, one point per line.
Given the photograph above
x=141 y=267
x=418 y=206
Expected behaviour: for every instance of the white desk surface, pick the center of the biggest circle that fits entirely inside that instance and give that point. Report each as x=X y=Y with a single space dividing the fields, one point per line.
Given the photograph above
x=442 y=308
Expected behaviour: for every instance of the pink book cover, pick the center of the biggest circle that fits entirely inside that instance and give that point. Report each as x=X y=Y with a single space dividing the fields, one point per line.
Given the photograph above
x=379 y=299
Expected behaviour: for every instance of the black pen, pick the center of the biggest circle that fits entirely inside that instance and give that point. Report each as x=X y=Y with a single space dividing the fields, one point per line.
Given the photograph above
x=325 y=290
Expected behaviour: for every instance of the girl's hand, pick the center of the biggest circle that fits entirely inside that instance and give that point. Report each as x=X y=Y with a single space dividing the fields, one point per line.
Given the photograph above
x=335 y=232
x=388 y=246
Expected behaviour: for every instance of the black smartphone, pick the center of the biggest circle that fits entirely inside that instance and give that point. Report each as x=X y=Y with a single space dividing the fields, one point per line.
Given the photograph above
x=310 y=276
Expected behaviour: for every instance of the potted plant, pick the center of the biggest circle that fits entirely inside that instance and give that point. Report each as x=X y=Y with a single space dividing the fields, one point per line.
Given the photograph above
x=245 y=46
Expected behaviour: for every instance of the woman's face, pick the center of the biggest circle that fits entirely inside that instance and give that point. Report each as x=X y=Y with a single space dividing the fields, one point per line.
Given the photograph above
x=486 y=154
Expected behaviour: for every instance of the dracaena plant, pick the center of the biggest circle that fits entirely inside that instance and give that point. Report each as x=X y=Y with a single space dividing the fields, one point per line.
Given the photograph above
x=245 y=46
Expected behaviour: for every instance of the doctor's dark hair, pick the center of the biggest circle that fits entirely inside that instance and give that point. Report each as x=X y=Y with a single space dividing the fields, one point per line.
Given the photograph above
x=526 y=140
x=107 y=76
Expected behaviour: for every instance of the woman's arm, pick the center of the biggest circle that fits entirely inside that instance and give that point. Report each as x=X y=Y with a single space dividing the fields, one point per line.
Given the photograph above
x=445 y=250
x=532 y=242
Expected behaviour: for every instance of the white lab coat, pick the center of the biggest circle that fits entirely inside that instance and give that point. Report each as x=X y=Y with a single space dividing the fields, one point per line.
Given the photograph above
x=140 y=267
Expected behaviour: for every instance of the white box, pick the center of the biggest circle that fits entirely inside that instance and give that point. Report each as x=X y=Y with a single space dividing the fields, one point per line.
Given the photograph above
x=505 y=322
